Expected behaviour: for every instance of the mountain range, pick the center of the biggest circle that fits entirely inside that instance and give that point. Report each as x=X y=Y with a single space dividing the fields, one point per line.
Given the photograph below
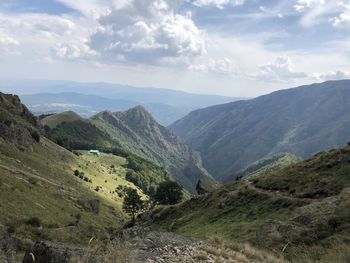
x=301 y=121
x=87 y=99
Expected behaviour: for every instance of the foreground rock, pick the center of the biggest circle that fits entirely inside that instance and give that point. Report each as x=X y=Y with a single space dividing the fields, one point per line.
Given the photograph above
x=47 y=252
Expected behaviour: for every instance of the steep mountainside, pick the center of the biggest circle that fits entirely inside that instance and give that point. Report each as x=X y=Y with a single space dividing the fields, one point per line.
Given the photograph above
x=138 y=132
x=49 y=193
x=301 y=121
x=301 y=211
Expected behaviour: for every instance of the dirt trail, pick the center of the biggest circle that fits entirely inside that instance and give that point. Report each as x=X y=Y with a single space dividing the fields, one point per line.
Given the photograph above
x=281 y=194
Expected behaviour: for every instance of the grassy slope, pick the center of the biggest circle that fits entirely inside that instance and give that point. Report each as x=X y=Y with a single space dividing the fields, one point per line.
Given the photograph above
x=53 y=120
x=40 y=183
x=305 y=207
x=264 y=165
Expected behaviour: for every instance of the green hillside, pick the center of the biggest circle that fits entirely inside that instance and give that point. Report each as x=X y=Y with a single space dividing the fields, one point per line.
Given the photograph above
x=53 y=120
x=264 y=165
x=301 y=121
x=301 y=211
x=136 y=135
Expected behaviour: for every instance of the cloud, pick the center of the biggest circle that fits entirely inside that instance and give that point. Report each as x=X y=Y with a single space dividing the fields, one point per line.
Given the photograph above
x=8 y=44
x=218 y=3
x=43 y=35
x=343 y=19
x=7 y=40
x=336 y=12
x=279 y=70
x=147 y=32
x=303 y=5
x=219 y=66
x=332 y=75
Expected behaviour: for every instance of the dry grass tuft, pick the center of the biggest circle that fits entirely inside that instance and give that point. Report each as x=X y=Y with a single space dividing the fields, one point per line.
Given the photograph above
x=114 y=251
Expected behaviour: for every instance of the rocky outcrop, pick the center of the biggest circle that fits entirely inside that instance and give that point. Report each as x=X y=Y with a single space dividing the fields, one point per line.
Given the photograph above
x=17 y=125
x=47 y=252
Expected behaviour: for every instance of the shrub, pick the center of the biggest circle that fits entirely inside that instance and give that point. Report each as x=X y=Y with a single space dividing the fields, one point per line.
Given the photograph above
x=34 y=222
x=36 y=136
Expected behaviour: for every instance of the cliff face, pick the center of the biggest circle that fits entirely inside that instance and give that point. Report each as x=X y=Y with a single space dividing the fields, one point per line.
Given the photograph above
x=17 y=125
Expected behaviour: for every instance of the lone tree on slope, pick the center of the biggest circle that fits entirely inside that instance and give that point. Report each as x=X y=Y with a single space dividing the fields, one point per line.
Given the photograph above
x=132 y=203
x=169 y=193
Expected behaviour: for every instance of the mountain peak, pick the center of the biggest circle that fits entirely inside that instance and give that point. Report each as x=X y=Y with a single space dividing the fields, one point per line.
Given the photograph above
x=137 y=116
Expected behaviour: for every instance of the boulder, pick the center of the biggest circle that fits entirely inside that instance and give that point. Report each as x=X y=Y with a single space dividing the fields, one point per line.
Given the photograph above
x=44 y=252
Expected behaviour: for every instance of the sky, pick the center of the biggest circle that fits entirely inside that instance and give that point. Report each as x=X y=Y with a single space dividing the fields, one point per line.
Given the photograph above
x=226 y=47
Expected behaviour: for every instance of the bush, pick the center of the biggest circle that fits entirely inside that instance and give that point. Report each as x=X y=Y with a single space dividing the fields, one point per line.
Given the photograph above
x=36 y=136
x=34 y=222
x=33 y=180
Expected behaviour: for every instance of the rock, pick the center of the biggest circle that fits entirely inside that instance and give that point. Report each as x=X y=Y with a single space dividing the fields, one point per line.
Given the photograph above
x=7 y=249
x=49 y=252
x=92 y=205
x=44 y=252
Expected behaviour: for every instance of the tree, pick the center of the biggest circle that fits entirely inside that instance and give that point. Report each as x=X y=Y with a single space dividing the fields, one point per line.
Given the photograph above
x=169 y=193
x=132 y=203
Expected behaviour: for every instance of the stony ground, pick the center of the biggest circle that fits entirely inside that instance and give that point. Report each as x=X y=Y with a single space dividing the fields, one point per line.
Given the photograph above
x=149 y=246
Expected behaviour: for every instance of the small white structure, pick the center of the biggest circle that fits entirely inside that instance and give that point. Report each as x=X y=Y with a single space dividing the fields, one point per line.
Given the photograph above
x=94 y=152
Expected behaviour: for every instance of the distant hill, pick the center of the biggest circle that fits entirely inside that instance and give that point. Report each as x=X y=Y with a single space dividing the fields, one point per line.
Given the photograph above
x=87 y=99
x=299 y=210
x=54 y=120
x=134 y=134
x=301 y=121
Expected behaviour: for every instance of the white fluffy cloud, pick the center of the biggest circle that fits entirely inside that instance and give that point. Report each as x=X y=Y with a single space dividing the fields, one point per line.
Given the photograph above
x=220 y=66
x=315 y=11
x=303 y=5
x=147 y=32
x=332 y=75
x=218 y=3
x=343 y=19
x=279 y=70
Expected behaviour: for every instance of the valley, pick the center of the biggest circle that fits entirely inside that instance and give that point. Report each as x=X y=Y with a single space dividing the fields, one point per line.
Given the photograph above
x=65 y=179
